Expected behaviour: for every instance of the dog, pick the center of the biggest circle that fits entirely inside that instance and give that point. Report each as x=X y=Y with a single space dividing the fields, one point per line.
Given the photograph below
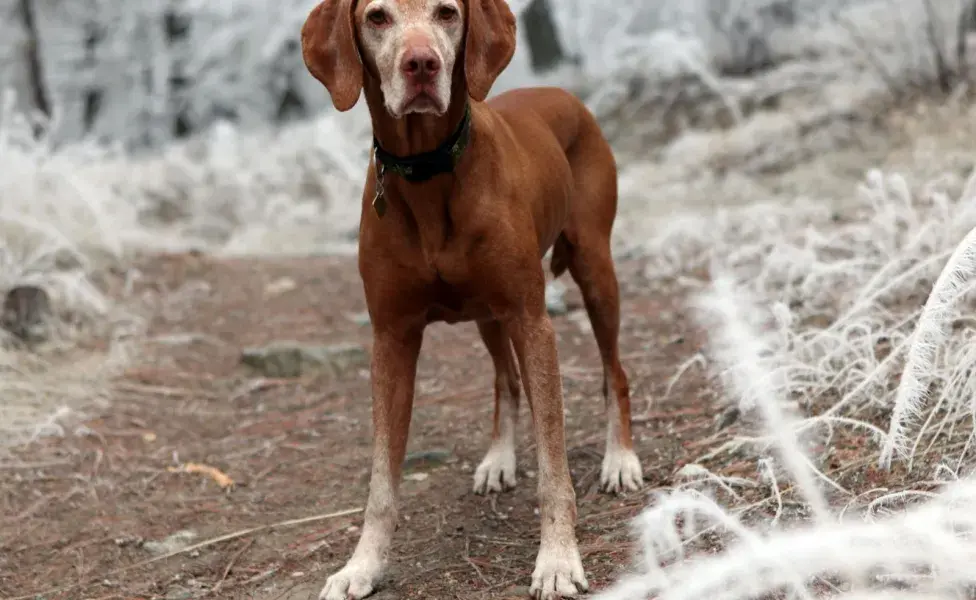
x=462 y=200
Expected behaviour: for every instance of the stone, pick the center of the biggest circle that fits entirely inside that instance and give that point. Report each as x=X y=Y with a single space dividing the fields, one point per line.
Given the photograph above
x=425 y=458
x=280 y=286
x=286 y=359
x=556 y=298
x=727 y=417
x=171 y=543
x=179 y=593
x=27 y=314
x=360 y=318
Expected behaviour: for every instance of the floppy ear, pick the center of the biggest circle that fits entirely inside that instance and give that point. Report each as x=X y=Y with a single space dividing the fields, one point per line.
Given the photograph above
x=330 y=52
x=489 y=45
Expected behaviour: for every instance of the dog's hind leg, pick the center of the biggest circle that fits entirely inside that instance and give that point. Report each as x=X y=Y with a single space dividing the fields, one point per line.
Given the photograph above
x=497 y=470
x=592 y=269
x=585 y=247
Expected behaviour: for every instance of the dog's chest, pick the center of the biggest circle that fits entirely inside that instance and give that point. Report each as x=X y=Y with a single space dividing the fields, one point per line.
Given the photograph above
x=455 y=303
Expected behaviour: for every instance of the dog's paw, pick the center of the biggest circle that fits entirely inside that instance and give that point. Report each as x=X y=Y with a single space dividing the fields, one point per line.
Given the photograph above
x=496 y=472
x=354 y=581
x=558 y=573
x=621 y=471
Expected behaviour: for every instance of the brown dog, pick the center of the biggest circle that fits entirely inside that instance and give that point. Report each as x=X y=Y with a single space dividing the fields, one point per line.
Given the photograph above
x=462 y=200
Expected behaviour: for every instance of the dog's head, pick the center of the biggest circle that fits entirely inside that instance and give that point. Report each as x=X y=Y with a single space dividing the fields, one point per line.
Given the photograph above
x=411 y=47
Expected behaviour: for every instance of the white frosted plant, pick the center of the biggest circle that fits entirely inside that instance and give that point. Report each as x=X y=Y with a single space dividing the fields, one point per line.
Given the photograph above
x=799 y=312
x=742 y=355
x=58 y=228
x=931 y=332
x=929 y=547
x=846 y=293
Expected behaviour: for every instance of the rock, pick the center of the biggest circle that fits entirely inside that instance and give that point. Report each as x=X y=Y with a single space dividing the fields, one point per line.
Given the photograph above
x=556 y=298
x=424 y=458
x=128 y=540
x=280 y=286
x=515 y=592
x=360 y=318
x=691 y=471
x=27 y=313
x=581 y=320
x=727 y=417
x=293 y=359
x=179 y=593
x=172 y=543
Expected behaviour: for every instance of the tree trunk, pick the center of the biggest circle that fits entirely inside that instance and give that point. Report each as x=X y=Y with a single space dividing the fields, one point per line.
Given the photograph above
x=545 y=50
x=34 y=67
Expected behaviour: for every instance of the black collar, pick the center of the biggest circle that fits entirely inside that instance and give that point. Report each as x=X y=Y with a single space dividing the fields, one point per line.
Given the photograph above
x=421 y=167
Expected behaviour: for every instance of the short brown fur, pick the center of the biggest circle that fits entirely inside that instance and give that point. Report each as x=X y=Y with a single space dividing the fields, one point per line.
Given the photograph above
x=537 y=174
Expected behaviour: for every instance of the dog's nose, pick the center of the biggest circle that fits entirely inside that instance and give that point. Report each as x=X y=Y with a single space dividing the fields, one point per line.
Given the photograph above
x=420 y=65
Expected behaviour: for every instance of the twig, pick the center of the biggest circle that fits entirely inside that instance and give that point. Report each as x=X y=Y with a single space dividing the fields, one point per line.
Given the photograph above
x=467 y=559
x=205 y=544
x=32 y=466
x=230 y=565
x=159 y=390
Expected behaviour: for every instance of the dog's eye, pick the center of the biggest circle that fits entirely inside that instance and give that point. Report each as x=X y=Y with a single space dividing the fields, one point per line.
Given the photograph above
x=378 y=17
x=447 y=13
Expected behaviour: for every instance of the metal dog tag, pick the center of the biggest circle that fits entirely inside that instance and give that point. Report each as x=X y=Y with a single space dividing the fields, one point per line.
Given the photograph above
x=379 y=202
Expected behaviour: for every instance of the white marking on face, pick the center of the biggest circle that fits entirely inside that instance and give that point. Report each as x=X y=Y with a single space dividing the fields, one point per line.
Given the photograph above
x=414 y=45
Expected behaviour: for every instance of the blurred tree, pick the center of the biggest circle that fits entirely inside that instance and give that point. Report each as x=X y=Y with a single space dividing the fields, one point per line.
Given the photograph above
x=38 y=90
x=545 y=50
x=746 y=31
x=176 y=27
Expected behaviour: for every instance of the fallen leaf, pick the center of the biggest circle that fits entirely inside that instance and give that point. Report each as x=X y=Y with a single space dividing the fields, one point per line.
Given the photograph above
x=214 y=473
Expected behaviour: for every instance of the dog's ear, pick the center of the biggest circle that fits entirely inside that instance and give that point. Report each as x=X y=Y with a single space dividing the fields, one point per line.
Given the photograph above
x=489 y=44
x=330 y=52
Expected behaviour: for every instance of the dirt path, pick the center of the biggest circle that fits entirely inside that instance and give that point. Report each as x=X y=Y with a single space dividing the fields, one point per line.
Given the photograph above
x=85 y=510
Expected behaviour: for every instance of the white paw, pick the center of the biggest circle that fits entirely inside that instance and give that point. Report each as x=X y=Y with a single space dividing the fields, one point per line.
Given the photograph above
x=496 y=472
x=621 y=471
x=354 y=581
x=558 y=573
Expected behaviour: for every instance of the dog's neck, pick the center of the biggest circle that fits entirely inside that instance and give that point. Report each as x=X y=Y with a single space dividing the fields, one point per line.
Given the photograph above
x=426 y=202
x=413 y=133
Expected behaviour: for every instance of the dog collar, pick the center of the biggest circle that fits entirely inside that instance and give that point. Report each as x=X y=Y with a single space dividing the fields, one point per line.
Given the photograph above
x=421 y=167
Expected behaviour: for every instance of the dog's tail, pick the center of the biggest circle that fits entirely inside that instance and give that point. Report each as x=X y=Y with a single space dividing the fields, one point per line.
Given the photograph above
x=562 y=251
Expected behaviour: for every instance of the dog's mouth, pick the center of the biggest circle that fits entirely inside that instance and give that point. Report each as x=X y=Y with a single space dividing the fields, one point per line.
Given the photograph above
x=423 y=99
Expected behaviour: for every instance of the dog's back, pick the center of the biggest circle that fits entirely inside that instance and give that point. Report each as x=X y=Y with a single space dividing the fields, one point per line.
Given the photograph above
x=564 y=114
x=593 y=204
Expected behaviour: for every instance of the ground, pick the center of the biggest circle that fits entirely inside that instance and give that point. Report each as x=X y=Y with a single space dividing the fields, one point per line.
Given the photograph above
x=78 y=509
x=82 y=512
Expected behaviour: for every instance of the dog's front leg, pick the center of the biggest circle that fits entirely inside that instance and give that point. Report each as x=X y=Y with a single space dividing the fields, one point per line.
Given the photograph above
x=558 y=568
x=393 y=372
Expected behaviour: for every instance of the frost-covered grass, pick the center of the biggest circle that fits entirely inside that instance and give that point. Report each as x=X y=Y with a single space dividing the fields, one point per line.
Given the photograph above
x=67 y=215
x=291 y=191
x=58 y=230
x=821 y=322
